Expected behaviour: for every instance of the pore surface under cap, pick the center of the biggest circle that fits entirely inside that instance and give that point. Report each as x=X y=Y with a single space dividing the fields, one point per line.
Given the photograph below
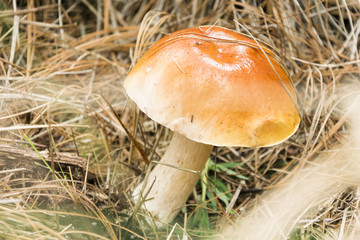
x=217 y=92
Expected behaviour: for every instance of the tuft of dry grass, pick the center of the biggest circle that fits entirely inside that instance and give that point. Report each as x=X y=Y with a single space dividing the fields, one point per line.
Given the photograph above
x=321 y=196
x=61 y=62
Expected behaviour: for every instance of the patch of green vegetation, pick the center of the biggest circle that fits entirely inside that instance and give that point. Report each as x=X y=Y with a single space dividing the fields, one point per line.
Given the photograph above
x=213 y=199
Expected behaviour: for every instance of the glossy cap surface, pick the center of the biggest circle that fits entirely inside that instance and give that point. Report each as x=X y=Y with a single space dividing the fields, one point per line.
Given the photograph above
x=215 y=86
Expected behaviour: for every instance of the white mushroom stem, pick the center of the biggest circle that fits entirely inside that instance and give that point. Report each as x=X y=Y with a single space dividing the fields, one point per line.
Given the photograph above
x=168 y=187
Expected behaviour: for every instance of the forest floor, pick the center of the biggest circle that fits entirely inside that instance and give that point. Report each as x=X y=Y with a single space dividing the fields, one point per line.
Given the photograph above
x=67 y=166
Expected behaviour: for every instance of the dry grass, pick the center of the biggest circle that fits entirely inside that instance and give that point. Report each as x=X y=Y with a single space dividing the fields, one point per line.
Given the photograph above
x=58 y=60
x=319 y=198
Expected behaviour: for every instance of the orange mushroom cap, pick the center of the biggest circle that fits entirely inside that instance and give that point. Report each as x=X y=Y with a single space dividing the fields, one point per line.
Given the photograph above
x=215 y=86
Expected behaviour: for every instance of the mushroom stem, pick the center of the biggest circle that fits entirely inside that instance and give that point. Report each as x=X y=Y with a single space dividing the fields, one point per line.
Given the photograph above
x=171 y=186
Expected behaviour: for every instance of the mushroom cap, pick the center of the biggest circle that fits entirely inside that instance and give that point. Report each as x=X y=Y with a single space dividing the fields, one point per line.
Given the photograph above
x=217 y=87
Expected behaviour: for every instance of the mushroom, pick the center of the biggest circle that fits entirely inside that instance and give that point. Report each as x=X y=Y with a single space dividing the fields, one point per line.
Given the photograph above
x=213 y=87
